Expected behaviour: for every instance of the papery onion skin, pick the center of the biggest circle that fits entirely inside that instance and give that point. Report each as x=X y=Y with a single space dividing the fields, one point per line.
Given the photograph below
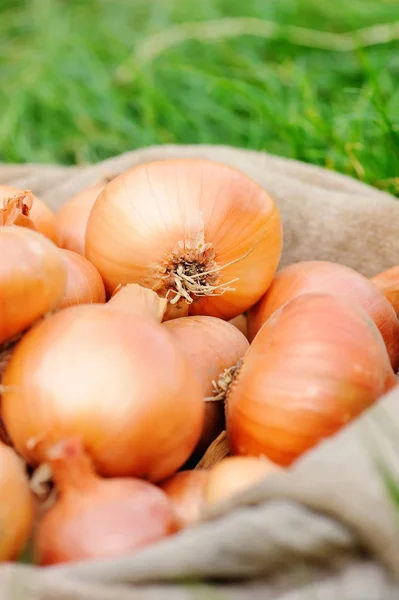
x=96 y=518
x=41 y=215
x=133 y=299
x=313 y=367
x=212 y=346
x=17 y=508
x=72 y=218
x=119 y=382
x=186 y=490
x=321 y=277
x=32 y=279
x=191 y=214
x=235 y=474
x=84 y=283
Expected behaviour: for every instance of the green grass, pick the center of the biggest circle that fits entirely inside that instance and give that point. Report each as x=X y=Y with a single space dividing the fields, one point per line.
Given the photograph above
x=72 y=90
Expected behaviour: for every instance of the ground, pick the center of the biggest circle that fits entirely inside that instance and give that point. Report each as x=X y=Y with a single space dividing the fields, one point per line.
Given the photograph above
x=84 y=80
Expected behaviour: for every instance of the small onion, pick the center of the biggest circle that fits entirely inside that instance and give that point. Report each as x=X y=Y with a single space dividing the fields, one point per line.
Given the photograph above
x=186 y=490
x=213 y=347
x=17 y=507
x=119 y=382
x=198 y=233
x=388 y=283
x=313 y=367
x=233 y=475
x=96 y=518
x=84 y=283
x=23 y=208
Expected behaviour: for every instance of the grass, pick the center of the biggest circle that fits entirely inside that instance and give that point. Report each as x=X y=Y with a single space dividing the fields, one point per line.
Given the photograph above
x=73 y=91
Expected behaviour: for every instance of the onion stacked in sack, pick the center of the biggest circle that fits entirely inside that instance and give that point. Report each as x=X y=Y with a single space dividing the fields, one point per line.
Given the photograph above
x=154 y=363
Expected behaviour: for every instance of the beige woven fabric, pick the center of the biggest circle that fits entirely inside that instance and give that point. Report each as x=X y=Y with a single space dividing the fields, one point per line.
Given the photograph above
x=328 y=529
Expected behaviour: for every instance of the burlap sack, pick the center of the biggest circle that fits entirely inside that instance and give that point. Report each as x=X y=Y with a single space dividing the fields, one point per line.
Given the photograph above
x=328 y=529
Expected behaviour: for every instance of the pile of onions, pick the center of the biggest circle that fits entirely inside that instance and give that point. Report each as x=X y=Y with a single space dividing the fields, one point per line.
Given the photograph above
x=95 y=517
x=84 y=284
x=213 y=347
x=72 y=217
x=201 y=234
x=17 y=508
x=119 y=382
x=320 y=277
x=32 y=279
x=21 y=207
x=314 y=366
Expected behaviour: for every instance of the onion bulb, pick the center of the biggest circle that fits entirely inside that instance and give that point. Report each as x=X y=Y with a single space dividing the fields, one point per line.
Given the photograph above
x=313 y=367
x=388 y=283
x=84 y=283
x=96 y=518
x=119 y=382
x=72 y=218
x=24 y=209
x=32 y=279
x=212 y=346
x=194 y=231
x=186 y=490
x=233 y=475
x=320 y=277
x=134 y=299
x=17 y=507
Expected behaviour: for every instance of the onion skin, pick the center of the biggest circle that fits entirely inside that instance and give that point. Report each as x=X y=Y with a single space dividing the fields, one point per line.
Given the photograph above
x=72 y=218
x=134 y=299
x=17 y=507
x=186 y=490
x=96 y=518
x=314 y=366
x=233 y=475
x=40 y=214
x=241 y=323
x=321 y=277
x=84 y=283
x=388 y=283
x=212 y=346
x=119 y=382
x=32 y=279
x=195 y=214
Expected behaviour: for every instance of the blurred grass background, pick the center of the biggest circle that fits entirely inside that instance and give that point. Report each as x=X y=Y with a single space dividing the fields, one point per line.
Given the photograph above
x=73 y=91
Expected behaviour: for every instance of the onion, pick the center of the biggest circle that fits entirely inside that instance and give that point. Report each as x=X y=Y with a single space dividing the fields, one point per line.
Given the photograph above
x=186 y=490
x=194 y=231
x=25 y=209
x=212 y=346
x=235 y=474
x=73 y=216
x=17 y=506
x=134 y=299
x=98 y=518
x=84 y=283
x=314 y=366
x=32 y=279
x=118 y=381
x=320 y=277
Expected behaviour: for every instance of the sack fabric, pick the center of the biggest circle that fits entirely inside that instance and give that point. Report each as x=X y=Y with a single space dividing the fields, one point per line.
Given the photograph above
x=326 y=529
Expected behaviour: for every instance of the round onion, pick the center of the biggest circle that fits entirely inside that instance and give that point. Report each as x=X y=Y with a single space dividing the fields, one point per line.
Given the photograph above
x=84 y=283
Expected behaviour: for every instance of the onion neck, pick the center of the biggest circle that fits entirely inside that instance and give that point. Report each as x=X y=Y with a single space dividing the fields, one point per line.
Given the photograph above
x=16 y=211
x=388 y=284
x=71 y=467
x=222 y=387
